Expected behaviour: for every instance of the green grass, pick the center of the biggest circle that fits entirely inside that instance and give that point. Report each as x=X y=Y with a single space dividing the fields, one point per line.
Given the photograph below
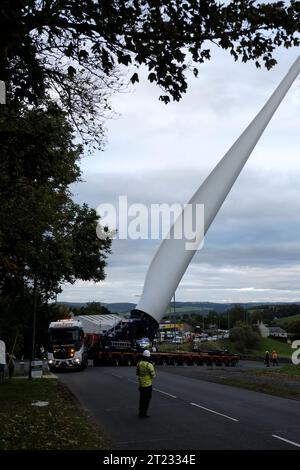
x=283 y=349
x=267 y=344
x=60 y=425
x=220 y=344
x=271 y=389
x=290 y=370
x=169 y=347
x=285 y=320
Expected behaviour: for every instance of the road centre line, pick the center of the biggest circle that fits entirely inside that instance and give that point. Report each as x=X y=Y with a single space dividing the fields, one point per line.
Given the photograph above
x=165 y=393
x=212 y=411
x=286 y=440
x=116 y=375
x=133 y=381
x=156 y=389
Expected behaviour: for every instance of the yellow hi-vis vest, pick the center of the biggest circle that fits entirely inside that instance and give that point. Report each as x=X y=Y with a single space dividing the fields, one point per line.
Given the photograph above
x=145 y=372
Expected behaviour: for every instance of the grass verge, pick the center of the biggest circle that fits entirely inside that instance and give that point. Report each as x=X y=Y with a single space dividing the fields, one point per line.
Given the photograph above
x=59 y=425
x=271 y=389
x=289 y=371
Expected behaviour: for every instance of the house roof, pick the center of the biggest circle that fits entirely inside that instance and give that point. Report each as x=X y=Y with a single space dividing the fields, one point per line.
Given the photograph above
x=276 y=329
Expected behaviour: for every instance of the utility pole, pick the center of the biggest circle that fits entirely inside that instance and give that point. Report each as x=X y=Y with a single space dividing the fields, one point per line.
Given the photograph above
x=2 y=92
x=174 y=315
x=33 y=326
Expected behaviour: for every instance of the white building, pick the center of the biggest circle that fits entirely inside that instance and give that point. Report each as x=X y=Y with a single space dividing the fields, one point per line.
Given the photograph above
x=273 y=331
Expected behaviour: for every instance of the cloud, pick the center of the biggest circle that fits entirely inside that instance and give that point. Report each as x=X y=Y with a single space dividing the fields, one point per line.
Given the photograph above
x=161 y=154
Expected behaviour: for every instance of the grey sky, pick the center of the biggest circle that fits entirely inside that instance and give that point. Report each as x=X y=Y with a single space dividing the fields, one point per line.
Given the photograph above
x=158 y=153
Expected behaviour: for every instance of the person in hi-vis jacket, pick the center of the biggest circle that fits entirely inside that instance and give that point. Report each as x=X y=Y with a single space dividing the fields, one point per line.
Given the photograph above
x=145 y=372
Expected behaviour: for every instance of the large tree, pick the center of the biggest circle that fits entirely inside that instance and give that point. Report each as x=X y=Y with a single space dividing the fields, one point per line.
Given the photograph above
x=46 y=239
x=44 y=234
x=73 y=48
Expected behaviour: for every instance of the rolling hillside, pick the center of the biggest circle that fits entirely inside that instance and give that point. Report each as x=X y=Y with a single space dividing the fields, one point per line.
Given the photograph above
x=181 y=307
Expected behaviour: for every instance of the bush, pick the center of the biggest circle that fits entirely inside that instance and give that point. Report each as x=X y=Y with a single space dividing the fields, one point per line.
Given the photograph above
x=294 y=326
x=244 y=337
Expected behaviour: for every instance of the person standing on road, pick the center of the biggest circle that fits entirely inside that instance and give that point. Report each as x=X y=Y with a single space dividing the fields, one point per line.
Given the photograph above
x=274 y=358
x=267 y=359
x=10 y=364
x=145 y=372
x=2 y=371
x=2 y=359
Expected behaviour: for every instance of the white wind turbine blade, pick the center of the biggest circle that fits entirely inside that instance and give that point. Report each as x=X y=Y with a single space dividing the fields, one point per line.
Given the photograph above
x=172 y=258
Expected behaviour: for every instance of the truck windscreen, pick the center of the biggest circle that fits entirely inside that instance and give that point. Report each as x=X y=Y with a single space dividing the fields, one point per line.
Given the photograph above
x=64 y=335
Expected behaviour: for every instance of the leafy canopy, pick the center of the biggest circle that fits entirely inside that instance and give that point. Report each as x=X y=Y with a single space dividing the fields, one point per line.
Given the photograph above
x=44 y=233
x=73 y=50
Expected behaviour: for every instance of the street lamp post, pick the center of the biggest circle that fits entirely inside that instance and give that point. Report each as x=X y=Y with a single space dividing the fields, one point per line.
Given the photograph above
x=174 y=306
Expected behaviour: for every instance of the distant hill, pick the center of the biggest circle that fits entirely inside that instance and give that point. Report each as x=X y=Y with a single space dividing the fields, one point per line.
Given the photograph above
x=118 y=307
x=181 y=307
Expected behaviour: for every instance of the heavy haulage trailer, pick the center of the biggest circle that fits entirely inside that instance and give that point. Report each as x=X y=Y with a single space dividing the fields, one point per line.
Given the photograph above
x=130 y=358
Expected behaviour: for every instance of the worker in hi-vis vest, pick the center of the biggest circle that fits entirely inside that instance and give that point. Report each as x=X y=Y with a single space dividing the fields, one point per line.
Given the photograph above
x=145 y=372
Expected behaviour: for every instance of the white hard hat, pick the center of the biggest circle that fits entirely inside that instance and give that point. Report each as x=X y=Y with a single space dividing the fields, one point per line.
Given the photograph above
x=146 y=353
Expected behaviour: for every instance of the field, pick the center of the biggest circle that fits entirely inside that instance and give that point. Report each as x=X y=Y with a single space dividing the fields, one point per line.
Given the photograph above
x=284 y=320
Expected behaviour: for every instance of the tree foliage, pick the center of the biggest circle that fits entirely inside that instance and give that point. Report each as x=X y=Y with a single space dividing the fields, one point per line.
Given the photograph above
x=16 y=321
x=92 y=308
x=44 y=234
x=294 y=326
x=243 y=336
x=237 y=314
x=74 y=49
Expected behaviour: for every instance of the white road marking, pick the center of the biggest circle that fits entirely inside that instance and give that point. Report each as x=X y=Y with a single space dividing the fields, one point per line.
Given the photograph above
x=118 y=376
x=165 y=393
x=156 y=389
x=133 y=381
x=286 y=440
x=215 y=412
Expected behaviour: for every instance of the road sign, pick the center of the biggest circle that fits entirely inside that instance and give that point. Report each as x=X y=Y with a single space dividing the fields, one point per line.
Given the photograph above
x=36 y=369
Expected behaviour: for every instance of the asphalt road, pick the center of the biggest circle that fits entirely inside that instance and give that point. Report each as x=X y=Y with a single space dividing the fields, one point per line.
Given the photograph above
x=186 y=412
